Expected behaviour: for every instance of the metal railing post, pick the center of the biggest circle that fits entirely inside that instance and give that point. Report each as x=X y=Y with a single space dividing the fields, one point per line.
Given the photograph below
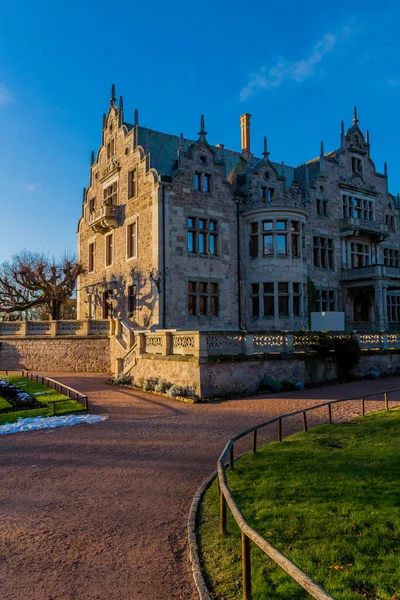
x=246 y=567
x=254 y=441
x=386 y=398
x=305 y=421
x=363 y=406
x=280 y=430
x=330 y=413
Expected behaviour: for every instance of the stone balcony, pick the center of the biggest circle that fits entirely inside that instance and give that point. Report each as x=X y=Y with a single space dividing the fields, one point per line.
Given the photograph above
x=104 y=219
x=374 y=229
x=370 y=272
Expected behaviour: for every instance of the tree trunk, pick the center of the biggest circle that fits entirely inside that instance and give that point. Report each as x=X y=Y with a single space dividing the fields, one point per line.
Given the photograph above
x=55 y=310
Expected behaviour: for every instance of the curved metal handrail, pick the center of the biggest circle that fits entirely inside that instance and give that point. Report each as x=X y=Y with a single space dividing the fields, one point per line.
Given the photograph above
x=250 y=534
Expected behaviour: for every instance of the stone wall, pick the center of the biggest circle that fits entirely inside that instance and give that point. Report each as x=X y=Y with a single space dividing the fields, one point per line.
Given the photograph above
x=241 y=377
x=180 y=370
x=63 y=355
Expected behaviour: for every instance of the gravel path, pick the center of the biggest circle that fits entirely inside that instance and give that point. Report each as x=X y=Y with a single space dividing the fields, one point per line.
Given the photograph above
x=99 y=512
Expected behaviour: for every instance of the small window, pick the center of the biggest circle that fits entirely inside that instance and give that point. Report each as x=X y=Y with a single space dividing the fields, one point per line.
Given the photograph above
x=110 y=194
x=91 y=257
x=203 y=299
x=131 y=240
x=109 y=249
x=132 y=184
x=356 y=165
x=132 y=300
x=92 y=205
x=203 y=159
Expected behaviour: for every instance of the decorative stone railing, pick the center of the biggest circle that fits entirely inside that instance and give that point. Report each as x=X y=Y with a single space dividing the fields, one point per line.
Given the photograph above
x=20 y=329
x=203 y=345
x=370 y=272
x=351 y=225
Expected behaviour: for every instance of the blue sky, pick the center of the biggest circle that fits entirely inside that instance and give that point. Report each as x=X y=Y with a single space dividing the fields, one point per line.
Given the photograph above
x=298 y=68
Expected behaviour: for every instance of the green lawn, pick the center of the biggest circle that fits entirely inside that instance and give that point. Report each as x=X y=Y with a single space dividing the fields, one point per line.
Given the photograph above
x=329 y=500
x=36 y=390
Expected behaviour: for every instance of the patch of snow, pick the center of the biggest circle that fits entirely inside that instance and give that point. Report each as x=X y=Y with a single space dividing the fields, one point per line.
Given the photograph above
x=34 y=423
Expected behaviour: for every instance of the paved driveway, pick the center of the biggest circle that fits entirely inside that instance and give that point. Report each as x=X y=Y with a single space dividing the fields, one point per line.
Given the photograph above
x=99 y=511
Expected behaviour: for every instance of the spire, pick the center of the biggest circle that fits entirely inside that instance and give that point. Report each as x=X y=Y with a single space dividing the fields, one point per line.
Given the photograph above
x=342 y=128
x=355 y=118
x=136 y=117
x=367 y=136
x=322 y=152
x=121 y=111
x=104 y=120
x=92 y=158
x=121 y=103
x=202 y=132
x=181 y=142
x=265 y=152
x=84 y=195
x=385 y=168
x=113 y=98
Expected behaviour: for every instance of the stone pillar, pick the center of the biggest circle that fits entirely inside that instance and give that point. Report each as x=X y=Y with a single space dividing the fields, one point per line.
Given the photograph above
x=141 y=343
x=200 y=345
x=85 y=328
x=23 y=330
x=53 y=328
x=379 y=310
x=166 y=343
x=248 y=344
x=385 y=315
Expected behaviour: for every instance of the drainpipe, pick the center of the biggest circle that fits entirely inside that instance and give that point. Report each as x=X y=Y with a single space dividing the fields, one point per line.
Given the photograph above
x=238 y=264
x=164 y=291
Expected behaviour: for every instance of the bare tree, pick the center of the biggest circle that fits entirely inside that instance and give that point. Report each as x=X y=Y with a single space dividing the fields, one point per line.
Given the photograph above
x=32 y=280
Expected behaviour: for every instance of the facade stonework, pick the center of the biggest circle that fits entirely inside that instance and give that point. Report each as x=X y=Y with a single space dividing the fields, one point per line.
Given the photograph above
x=180 y=234
x=62 y=355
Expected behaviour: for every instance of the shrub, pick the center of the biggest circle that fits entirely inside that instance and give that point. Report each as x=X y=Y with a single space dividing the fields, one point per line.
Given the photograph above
x=270 y=384
x=322 y=344
x=149 y=384
x=123 y=379
x=162 y=386
x=176 y=390
x=373 y=374
x=299 y=385
x=347 y=353
x=288 y=386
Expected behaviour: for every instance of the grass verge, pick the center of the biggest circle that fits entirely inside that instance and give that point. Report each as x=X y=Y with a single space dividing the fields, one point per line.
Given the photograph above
x=43 y=394
x=328 y=500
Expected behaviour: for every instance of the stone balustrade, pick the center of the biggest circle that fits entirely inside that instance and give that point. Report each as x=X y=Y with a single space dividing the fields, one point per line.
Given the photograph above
x=86 y=328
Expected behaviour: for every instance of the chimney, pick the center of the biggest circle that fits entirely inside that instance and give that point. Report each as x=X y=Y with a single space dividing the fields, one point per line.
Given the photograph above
x=245 y=130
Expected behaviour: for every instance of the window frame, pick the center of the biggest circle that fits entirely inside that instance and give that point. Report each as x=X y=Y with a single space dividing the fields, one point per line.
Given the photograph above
x=205 y=228
x=132 y=183
x=92 y=257
x=129 y=238
x=109 y=252
x=204 y=296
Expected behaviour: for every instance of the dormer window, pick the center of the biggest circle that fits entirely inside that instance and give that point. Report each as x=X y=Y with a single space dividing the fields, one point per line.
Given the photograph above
x=356 y=165
x=266 y=193
x=111 y=148
x=202 y=182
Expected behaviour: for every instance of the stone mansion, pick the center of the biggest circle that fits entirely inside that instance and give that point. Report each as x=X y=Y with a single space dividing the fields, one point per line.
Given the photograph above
x=180 y=234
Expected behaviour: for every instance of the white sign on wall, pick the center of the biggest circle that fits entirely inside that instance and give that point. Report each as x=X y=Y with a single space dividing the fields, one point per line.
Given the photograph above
x=327 y=321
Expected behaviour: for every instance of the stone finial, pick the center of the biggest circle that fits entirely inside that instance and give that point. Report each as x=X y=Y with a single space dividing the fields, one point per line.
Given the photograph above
x=355 y=119
x=342 y=128
x=84 y=194
x=265 y=151
x=136 y=117
x=92 y=158
x=181 y=142
x=385 y=168
x=104 y=120
x=202 y=132
x=367 y=136
x=322 y=151
x=121 y=103
x=113 y=98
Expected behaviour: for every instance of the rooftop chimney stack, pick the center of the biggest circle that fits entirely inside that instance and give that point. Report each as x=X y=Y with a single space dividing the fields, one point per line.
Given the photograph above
x=245 y=130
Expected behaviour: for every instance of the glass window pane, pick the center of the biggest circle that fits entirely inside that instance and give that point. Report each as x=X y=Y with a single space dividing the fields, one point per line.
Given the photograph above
x=283 y=306
x=202 y=248
x=255 y=288
x=281 y=244
x=283 y=288
x=268 y=242
x=269 y=306
x=281 y=225
x=190 y=222
x=296 y=306
x=192 y=305
x=214 y=306
x=192 y=286
x=212 y=244
x=254 y=227
x=269 y=287
x=212 y=226
x=203 y=287
x=203 y=305
x=267 y=225
x=296 y=288
x=255 y=306
x=190 y=240
x=214 y=288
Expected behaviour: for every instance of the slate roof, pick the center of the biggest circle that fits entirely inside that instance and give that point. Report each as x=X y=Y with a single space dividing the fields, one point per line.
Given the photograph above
x=163 y=148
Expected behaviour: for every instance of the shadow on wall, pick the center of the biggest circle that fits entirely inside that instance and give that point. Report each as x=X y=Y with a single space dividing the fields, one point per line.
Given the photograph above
x=10 y=358
x=147 y=294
